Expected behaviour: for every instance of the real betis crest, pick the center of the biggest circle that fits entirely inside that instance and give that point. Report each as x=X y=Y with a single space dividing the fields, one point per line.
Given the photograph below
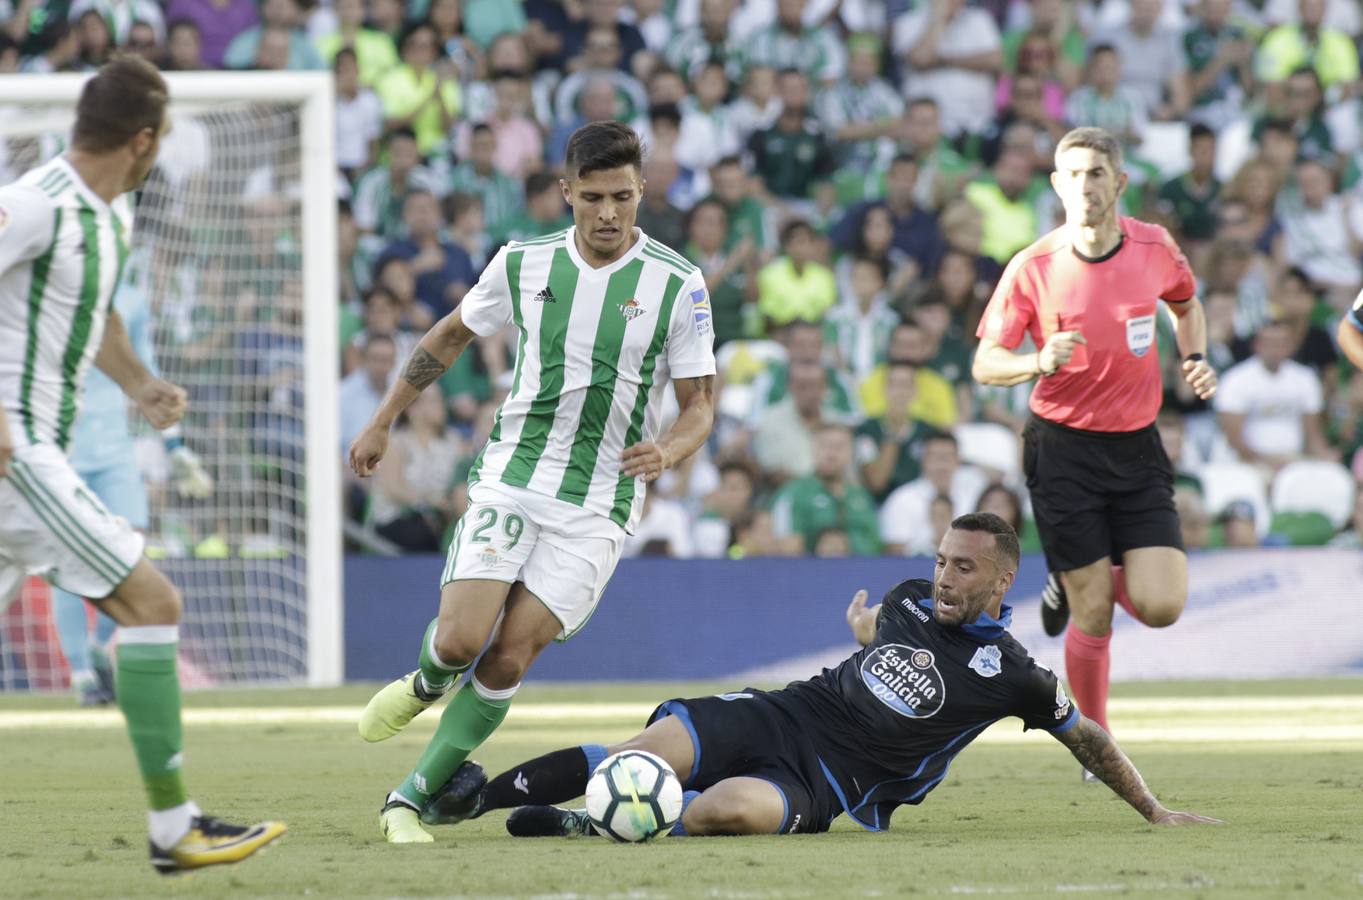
x=631 y=309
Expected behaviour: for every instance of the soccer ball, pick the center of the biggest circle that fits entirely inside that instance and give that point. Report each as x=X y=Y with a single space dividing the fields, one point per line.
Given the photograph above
x=633 y=796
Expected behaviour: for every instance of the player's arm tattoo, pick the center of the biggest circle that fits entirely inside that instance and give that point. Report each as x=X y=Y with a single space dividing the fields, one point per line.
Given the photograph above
x=422 y=369
x=1098 y=752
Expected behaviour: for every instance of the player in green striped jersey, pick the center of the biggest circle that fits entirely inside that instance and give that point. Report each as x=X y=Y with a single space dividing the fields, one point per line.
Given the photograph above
x=64 y=233
x=606 y=316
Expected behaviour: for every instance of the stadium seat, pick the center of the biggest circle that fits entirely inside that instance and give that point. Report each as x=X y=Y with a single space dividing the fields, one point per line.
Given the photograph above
x=1303 y=529
x=1234 y=145
x=990 y=445
x=1315 y=486
x=1224 y=483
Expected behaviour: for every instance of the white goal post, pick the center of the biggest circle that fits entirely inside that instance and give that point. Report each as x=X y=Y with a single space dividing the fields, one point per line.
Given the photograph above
x=288 y=115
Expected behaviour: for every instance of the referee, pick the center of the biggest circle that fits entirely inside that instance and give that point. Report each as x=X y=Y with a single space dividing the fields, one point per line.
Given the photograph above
x=1101 y=484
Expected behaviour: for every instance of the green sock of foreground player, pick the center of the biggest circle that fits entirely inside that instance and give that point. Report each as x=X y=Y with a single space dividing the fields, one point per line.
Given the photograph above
x=469 y=720
x=436 y=676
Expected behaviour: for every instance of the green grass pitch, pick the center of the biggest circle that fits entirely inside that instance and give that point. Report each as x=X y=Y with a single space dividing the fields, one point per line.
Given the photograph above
x=1281 y=762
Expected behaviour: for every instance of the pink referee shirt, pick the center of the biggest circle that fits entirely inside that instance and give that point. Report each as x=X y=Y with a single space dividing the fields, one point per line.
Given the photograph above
x=1113 y=382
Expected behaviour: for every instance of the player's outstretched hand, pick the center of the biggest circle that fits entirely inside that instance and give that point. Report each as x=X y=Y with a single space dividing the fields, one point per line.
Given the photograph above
x=368 y=450
x=1201 y=376
x=161 y=402
x=1173 y=817
x=862 y=620
x=188 y=474
x=646 y=460
x=1058 y=350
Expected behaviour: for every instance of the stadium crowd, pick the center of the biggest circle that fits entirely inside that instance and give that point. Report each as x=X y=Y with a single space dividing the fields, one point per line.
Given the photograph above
x=851 y=177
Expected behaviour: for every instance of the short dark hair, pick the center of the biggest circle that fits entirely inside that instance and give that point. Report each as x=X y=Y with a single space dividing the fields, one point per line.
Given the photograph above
x=904 y=159
x=1200 y=132
x=669 y=111
x=344 y=53
x=598 y=146
x=480 y=128
x=127 y=95
x=1279 y=125
x=1005 y=538
x=945 y=437
x=537 y=183
x=1298 y=274
x=400 y=132
x=789 y=229
x=730 y=160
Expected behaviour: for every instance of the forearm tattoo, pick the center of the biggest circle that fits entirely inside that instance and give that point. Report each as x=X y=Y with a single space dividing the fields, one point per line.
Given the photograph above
x=422 y=369
x=1097 y=752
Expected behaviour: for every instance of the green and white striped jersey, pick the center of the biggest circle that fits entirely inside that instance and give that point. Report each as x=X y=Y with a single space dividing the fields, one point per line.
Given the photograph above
x=62 y=250
x=596 y=349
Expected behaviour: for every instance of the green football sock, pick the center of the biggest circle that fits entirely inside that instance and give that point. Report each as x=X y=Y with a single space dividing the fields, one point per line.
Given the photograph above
x=436 y=677
x=468 y=720
x=149 y=693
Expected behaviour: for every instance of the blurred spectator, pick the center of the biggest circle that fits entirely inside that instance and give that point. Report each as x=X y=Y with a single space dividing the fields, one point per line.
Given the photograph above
x=381 y=192
x=443 y=271
x=793 y=158
x=96 y=41
x=783 y=444
x=915 y=230
x=373 y=49
x=708 y=133
x=1303 y=110
x=734 y=188
x=1044 y=100
x=858 y=327
x=467 y=229
x=874 y=241
x=359 y=116
x=600 y=15
x=832 y=543
x=955 y=286
x=1191 y=198
x=709 y=40
x=860 y=111
x=758 y=107
x=1054 y=19
x=905 y=521
x=487 y=20
x=447 y=18
x=889 y=447
x=1311 y=345
x=727 y=270
x=502 y=195
x=1171 y=432
x=218 y=23
x=1027 y=121
x=1218 y=53
x=382 y=316
x=795 y=285
x=945 y=346
x=272 y=50
x=941 y=170
x=1321 y=233
x=1269 y=406
x=1194 y=523
x=654 y=22
x=663 y=530
x=119 y=17
x=394 y=274
x=722 y=509
x=1152 y=60
x=658 y=217
x=804 y=344
x=1237 y=524
x=60 y=51
x=754 y=536
x=934 y=399
x=1005 y=503
x=952 y=53
x=422 y=91
x=387 y=16
x=1007 y=206
x=184 y=47
x=601 y=97
x=352 y=274
x=962 y=228
x=1105 y=101
x=362 y=390
x=790 y=43
x=519 y=143
x=1307 y=42
x=545 y=212
x=1254 y=186
x=828 y=498
x=143 y=41
x=241 y=53
x=410 y=499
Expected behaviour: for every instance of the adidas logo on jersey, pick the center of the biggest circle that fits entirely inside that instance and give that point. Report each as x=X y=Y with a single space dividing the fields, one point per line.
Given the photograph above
x=631 y=309
x=545 y=296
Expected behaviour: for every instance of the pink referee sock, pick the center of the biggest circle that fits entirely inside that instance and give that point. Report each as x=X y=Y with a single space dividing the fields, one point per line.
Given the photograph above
x=1086 y=666
x=1121 y=596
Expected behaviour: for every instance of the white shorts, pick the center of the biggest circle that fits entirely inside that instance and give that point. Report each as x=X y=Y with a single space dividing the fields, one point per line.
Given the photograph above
x=53 y=525
x=562 y=553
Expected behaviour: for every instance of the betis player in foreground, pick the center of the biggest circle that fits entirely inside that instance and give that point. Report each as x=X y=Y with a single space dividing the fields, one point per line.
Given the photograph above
x=64 y=233
x=605 y=316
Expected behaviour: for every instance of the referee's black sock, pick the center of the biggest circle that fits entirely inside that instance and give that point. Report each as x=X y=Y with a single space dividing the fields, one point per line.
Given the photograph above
x=550 y=779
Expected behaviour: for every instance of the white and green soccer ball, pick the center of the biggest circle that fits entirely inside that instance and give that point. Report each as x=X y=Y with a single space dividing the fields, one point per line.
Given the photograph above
x=633 y=796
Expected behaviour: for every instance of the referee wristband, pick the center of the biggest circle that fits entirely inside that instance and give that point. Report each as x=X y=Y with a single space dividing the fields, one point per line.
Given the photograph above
x=1194 y=357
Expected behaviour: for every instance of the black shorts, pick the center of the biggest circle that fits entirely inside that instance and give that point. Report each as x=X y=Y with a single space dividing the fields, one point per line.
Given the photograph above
x=1096 y=495
x=745 y=734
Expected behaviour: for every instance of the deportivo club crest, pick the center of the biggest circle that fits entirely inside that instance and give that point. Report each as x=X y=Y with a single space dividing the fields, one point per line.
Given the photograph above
x=631 y=309
x=988 y=661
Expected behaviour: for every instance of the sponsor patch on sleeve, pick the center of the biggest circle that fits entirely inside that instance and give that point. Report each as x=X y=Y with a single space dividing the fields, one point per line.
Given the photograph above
x=700 y=306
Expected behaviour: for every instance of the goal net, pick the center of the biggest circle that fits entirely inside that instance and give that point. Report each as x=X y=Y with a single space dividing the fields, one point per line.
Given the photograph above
x=234 y=253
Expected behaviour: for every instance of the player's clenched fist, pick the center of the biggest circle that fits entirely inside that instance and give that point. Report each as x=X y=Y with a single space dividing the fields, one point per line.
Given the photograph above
x=367 y=450
x=1058 y=350
x=161 y=402
x=1201 y=376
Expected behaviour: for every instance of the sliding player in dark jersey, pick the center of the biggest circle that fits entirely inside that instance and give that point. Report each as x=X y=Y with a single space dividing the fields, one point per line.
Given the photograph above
x=880 y=730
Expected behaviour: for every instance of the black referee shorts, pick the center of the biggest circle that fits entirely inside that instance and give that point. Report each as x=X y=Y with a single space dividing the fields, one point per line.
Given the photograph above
x=1096 y=494
x=745 y=734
